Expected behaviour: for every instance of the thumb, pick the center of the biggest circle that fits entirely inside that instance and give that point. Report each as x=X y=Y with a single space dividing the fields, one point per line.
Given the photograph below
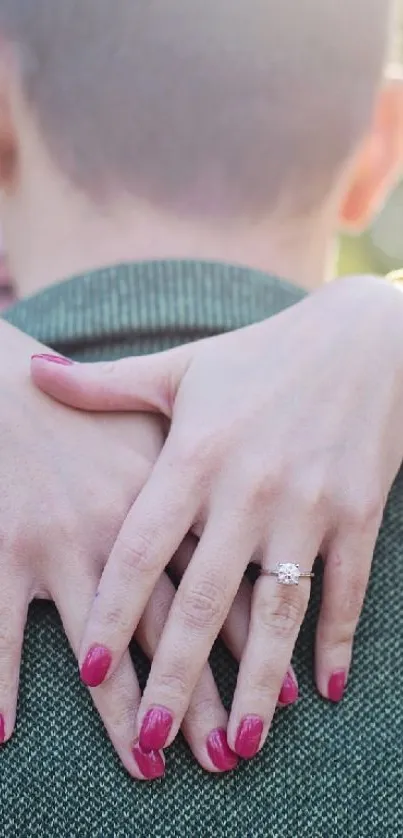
x=147 y=383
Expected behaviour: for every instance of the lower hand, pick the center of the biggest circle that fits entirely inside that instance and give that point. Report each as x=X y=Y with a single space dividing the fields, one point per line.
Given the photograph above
x=62 y=505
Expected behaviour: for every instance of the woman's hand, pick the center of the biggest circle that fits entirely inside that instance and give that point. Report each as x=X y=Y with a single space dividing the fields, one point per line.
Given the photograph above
x=68 y=481
x=285 y=439
x=205 y=722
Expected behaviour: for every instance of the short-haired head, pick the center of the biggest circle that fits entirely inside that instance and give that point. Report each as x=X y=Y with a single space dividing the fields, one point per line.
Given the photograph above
x=219 y=107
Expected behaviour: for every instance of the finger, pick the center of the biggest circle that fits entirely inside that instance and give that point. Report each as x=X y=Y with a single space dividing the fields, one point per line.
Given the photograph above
x=204 y=725
x=146 y=383
x=276 y=617
x=13 y=618
x=198 y=612
x=346 y=573
x=235 y=630
x=117 y=700
x=151 y=533
x=235 y=633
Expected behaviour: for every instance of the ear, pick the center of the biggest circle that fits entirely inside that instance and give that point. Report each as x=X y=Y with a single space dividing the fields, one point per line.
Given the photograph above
x=8 y=132
x=379 y=161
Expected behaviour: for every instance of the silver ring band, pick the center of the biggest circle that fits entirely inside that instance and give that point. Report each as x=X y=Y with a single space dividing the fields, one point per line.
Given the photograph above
x=288 y=573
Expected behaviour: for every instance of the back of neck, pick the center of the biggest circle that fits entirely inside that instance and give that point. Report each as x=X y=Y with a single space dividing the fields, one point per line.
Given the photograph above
x=52 y=232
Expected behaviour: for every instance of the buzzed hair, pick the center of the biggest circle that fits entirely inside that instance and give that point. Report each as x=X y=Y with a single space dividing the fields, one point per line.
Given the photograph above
x=217 y=107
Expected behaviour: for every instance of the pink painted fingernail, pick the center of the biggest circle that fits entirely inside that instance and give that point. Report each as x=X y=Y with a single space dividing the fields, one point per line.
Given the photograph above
x=248 y=737
x=336 y=685
x=151 y=764
x=54 y=359
x=155 y=729
x=95 y=667
x=2 y=729
x=289 y=690
x=220 y=752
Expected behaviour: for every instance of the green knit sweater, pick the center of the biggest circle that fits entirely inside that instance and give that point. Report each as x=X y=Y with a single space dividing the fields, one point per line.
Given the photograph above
x=326 y=771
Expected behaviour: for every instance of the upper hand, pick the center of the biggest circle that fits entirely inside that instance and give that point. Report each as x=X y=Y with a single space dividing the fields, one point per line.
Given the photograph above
x=285 y=439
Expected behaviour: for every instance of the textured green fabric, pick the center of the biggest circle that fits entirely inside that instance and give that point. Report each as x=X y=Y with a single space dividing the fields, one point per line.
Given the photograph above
x=326 y=771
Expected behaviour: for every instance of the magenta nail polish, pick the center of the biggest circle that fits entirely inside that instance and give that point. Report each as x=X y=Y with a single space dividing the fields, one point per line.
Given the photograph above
x=248 y=737
x=2 y=730
x=53 y=359
x=336 y=685
x=289 y=690
x=155 y=729
x=220 y=752
x=95 y=667
x=151 y=765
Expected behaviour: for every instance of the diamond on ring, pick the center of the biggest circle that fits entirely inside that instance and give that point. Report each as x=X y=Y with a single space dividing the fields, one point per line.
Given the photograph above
x=288 y=573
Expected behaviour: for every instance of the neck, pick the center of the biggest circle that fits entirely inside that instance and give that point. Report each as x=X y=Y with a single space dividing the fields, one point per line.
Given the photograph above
x=53 y=233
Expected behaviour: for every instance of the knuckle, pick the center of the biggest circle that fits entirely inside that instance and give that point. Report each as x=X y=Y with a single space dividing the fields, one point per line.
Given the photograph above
x=187 y=449
x=351 y=606
x=198 y=452
x=312 y=495
x=114 y=700
x=340 y=619
x=263 y=685
x=280 y=616
x=18 y=543
x=363 y=513
x=333 y=634
x=114 y=620
x=203 y=606
x=135 y=556
x=173 y=683
x=264 y=486
x=264 y=489
x=120 y=718
x=63 y=528
x=21 y=543
x=342 y=639
x=355 y=594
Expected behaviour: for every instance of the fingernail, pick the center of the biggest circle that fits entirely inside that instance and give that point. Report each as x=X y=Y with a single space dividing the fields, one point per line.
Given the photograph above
x=95 y=667
x=2 y=729
x=151 y=765
x=220 y=752
x=336 y=685
x=248 y=737
x=289 y=690
x=155 y=729
x=54 y=359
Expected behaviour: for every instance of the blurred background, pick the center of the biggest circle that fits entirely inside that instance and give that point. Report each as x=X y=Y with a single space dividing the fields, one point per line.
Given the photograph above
x=380 y=248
